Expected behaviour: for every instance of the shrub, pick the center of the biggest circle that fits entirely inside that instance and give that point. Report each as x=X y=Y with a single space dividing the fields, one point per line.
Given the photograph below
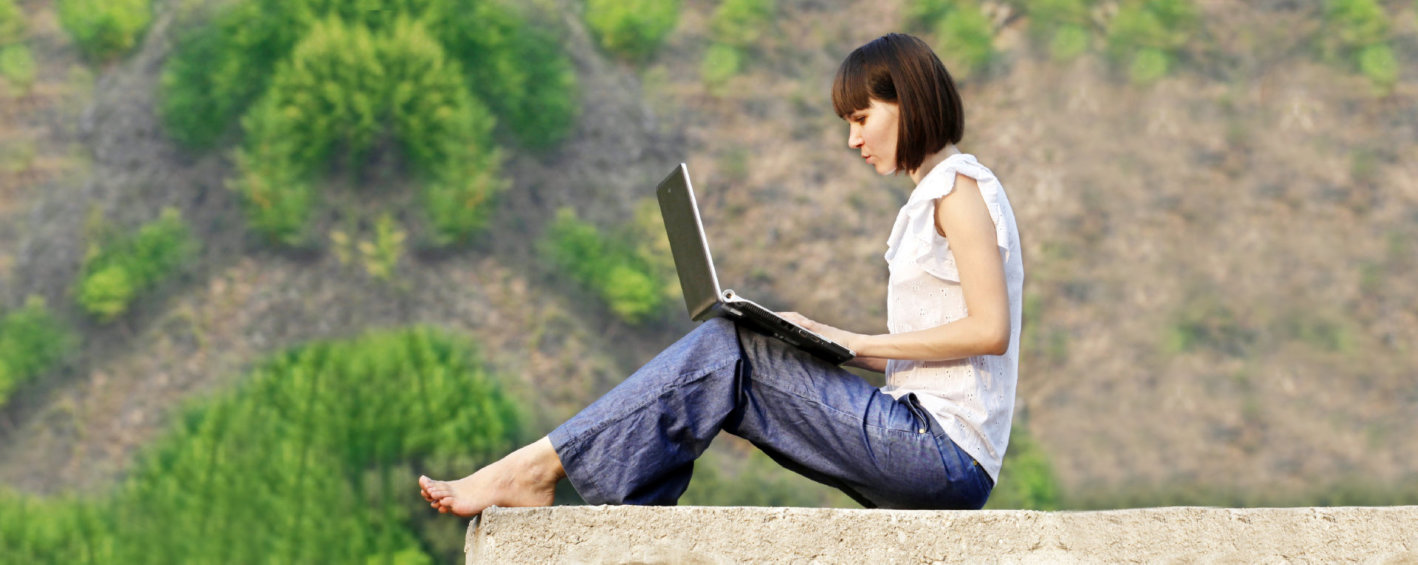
x=12 y=23
x=344 y=74
x=966 y=39
x=924 y=15
x=519 y=71
x=381 y=256
x=104 y=29
x=1027 y=478
x=17 y=66
x=32 y=341
x=1357 y=33
x=721 y=63
x=631 y=286
x=1146 y=35
x=219 y=70
x=115 y=272
x=1064 y=26
x=632 y=28
x=1378 y=63
x=741 y=23
x=308 y=461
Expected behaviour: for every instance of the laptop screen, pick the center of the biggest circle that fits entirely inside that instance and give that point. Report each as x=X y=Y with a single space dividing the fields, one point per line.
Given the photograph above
x=687 y=243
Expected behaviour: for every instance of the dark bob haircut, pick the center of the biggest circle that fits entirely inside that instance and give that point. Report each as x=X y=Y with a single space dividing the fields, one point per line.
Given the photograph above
x=902 y=69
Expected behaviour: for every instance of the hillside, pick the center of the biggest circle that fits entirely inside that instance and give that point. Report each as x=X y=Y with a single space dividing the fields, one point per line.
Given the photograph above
x=1218 y=263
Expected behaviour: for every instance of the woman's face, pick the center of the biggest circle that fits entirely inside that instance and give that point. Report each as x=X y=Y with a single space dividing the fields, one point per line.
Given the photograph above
x=872 y=130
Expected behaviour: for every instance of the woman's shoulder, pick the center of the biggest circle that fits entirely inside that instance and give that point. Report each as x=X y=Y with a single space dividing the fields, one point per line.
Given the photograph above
x=941 y=180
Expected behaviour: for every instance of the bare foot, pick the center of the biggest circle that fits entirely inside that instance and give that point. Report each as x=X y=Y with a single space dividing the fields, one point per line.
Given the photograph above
x=526 y=477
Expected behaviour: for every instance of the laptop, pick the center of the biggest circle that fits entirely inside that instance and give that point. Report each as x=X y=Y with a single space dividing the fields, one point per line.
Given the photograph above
x=702 y=294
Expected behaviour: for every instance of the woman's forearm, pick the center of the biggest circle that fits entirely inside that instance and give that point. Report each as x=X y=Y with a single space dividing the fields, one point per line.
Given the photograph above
x=963 y=338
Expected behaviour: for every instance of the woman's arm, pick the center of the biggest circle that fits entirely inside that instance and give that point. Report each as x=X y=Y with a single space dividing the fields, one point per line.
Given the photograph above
x=985 y=330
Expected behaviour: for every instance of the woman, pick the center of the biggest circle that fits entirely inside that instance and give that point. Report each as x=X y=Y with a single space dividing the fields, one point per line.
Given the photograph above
x=933 y=437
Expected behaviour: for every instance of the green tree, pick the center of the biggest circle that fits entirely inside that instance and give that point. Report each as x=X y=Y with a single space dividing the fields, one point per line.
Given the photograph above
x=116 y=270
x=1146 y=36
x=32 y=341
x=1026 y=478
x=17 y=66
x=105 y=28
x=741 y=23
x=1357 y=33
x=966 y=40
x=12 y=23
x=630 y=283
x=310 y=459
x=632 y=28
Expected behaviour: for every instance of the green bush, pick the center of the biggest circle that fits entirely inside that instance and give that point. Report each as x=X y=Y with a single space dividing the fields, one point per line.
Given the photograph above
x=328 y=78
x=518 y=70
x=632 y=28
x=741 y=23
x=755 y=480
x=721 y=63
x=17 y=66
x=1378 y=63
x=1065 y=27
x=104 y=29
x=1026 y=478
x=114 y=272
x=311 y=460
x=632 y=285
x=1147 y=35
x=32 y=341
x=1357 y=33
x=12 y=23
x=924 y=15
x=966 y=41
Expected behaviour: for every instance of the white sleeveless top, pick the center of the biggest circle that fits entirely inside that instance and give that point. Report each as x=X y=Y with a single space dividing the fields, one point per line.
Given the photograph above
x=972 y=398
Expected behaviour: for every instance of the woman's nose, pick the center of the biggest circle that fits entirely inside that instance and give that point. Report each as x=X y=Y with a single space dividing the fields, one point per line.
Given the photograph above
x=854 y=138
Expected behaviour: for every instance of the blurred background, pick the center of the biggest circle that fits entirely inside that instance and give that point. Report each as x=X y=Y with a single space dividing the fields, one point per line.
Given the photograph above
x=263 y=262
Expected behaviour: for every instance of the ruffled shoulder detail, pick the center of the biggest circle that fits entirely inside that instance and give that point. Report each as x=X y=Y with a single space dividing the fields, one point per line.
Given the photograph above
x=914 y=231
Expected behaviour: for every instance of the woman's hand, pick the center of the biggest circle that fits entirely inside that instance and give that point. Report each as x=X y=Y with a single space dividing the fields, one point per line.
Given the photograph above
x=842 y=337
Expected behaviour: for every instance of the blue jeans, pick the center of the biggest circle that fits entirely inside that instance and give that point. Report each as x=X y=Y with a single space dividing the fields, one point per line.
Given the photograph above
x=637 y=444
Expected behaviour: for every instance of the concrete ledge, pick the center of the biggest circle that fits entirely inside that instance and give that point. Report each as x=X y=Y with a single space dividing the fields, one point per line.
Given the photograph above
x=703 y=535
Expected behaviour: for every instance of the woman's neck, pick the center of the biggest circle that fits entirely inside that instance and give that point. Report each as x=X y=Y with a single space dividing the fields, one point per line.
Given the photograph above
x=931 y=161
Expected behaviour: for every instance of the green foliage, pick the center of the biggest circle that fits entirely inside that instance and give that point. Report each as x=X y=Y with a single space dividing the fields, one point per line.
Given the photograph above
x=32 y=341
x=735 y=27
x=17 y=66
x=340 y=86
x=114 y=272
x=966 y=41
x=308 y=461
x=721 y=63
x=1204 y=322
x=632 y=286
x=519 y=71
x=1027 y=478
x=755 y=480
x=1378 y=63
x=318 y=79
x=923 y=15
x=105 y=28
x=1147 y=35
x=1064 y=26
x=632 y=28
x=964 y=34
x=1357 y=33
x=381 y=256
x=12 y=23
x=741 y=23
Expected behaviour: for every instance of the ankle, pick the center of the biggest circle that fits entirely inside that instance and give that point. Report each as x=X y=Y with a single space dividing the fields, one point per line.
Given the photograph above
x=540 y=463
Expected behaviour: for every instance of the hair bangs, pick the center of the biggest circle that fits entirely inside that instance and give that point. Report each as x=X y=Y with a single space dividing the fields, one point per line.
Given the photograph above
x=850 y=91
